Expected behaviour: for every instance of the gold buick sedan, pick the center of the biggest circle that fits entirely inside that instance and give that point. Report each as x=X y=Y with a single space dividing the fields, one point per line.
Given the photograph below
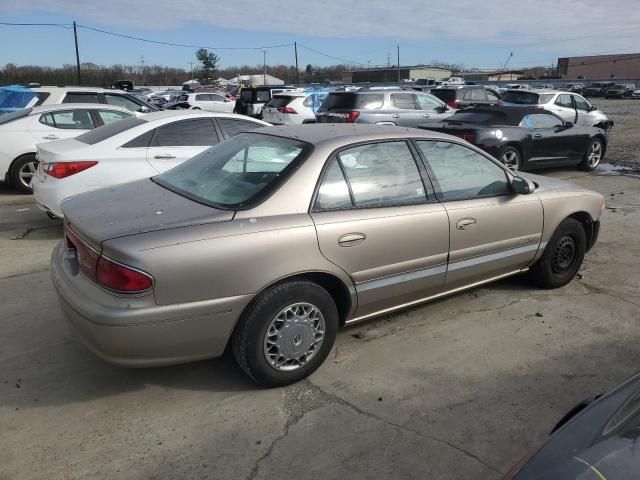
x=272 y=240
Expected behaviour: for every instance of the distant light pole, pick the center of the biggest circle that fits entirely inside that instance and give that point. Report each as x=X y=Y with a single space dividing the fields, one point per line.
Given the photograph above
x=264 y=65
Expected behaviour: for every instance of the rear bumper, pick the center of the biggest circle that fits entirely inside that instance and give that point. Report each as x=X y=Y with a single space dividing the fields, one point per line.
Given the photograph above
x=134 y=331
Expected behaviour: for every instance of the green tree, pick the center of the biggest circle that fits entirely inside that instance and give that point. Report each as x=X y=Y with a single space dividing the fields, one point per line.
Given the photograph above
x=209 y=62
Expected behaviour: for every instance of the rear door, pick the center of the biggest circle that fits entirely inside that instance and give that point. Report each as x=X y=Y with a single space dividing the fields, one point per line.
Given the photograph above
x=61 y=124
x=377 y=218
x=493 y=231
x=176 y=142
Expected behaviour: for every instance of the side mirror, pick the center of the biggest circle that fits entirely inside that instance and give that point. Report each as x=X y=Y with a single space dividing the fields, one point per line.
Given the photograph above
x=522 y=186
x=593 y=108
x=442 y=109
x=568 y=124
x=144 y=109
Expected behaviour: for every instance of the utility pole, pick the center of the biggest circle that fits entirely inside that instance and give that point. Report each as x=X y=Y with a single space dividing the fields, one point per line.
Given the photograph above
x=388 y=60
x=75 y=36
x=295 y=46
x=398 y=63
x=191 y=63
x=264 y=65
x=505 y=65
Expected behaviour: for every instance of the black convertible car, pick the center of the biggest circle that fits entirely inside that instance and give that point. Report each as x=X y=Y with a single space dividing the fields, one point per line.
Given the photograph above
x=527 y=138
x=596 y=440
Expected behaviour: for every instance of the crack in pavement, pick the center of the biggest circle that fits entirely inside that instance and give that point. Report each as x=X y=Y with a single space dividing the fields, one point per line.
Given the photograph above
x=29 y=230
x=17 y=275
x=305 y=397
x=601 y=291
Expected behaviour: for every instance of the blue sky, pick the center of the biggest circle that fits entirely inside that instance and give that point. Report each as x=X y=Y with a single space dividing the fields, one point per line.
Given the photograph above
x=476 y=34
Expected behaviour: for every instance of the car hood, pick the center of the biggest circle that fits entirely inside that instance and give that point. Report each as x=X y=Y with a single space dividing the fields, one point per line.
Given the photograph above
x=133 y=208
x=546 y=184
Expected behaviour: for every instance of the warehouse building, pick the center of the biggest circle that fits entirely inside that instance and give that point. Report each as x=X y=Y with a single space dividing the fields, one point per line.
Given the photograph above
x=600 y=67
x=390 y=74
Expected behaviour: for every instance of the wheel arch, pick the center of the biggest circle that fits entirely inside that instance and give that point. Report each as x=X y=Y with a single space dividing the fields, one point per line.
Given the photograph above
x=588 y=226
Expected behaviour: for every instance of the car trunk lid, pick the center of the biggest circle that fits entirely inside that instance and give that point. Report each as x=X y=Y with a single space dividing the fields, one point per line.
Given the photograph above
x=133 y=208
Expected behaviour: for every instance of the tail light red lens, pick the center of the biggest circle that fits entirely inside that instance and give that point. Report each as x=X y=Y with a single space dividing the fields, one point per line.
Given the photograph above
x=286 y=110
x=120 y=278
x=453 y=103
x=107 y=273
x=66 y=169
x=352 y=116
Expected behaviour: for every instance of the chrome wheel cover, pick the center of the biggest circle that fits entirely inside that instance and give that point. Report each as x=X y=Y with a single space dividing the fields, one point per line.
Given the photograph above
x=594 y=154
x=294 y=336
x=26 y=173
x=511 y=160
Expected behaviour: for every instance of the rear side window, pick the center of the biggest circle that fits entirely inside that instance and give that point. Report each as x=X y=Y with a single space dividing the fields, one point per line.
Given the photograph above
x=405 y=101
x=186 y=133
x=203 y=97
x=333 y=193
x=382 y=175
x=102 y=133
x=142 y=141
x=352 y=101
x=233 y=126
x=476 y=94
x=68 y=120
x=42 y=96
x=81 y=97
x=263 y=96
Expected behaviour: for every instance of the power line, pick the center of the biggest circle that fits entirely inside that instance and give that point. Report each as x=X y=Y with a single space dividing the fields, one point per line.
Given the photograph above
x=334 y=58
x=158 y=42
x=68 y=26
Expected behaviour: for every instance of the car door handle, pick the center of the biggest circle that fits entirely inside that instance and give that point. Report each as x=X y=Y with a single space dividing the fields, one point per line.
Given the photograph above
x=465 y=222
x=537 y=135
x=164 y=155
x=395 y=115
x=50 y=137
x=351 y=239
x=426 y=115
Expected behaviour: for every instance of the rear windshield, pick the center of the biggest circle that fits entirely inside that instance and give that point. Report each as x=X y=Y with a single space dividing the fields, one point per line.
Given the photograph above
x=444 y=94
x=526 y=98
x=237 y=173
x=108 y=131
x=490 y=118
x=363 y=101
x=279 y=101
x=14 y=115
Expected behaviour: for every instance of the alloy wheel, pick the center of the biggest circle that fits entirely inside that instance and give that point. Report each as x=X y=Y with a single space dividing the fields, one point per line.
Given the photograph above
x=511 y=160
x=294 y=336
x=26 y=173
x=594 y=154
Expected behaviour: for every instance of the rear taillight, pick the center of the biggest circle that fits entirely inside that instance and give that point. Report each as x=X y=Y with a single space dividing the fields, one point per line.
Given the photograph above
x=107 y=273
x=351 y=117
x=66 y=169
x=286 y=110
x=120 y=278
x=453 y=103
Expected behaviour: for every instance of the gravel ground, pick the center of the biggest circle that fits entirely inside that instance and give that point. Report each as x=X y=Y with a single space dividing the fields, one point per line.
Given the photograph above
x=624 y=141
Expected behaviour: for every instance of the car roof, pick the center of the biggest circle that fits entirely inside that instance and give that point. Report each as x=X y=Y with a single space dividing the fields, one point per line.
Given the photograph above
x=78 y=106
x=317 y=134
x=162 y=114
x=77 y=89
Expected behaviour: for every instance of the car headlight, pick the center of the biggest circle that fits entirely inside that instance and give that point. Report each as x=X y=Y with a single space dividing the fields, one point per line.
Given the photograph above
x=498 y=134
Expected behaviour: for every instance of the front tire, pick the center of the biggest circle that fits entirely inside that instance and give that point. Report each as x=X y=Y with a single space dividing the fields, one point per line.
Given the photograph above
x=562 y=257
x=593 y=155
x=286 y=333
x=22 y=173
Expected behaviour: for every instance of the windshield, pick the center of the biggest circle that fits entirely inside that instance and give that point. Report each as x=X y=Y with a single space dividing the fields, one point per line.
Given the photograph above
x=16 y=98
x=237 y=173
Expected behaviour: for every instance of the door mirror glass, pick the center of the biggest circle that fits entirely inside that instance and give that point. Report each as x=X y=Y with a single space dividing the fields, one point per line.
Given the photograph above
x=593 y=108
x=522 y=186
x=568 y=124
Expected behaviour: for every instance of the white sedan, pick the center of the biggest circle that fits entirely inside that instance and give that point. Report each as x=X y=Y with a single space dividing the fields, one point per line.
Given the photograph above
x=132 y=149
x=21 y=130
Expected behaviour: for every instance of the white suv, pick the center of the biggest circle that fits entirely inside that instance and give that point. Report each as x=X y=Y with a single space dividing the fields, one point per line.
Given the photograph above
x=289 y=109
x=208 y=101
x=117 y=98
x=571 y=107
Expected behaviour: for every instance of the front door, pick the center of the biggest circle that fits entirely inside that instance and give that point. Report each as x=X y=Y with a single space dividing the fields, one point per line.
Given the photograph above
x=549 y=142
x=432 y=109
x=376 y=218
x=564 y=108
x=493 y=231
x=176 y=142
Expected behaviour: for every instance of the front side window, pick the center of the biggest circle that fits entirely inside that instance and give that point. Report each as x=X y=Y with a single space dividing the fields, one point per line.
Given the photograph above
x=492 y=96
x=427 y=102
x=405 y=101
x=187 y=133
x=564 y=101
x=462 y=173
x=540 y=121
x=233 y=127
x=581 y=103
x=382 y=175
x=475 y=94
x=216 y=98
x=120 y=101
x=110 y=116
x=237 y=173
x=68 y=120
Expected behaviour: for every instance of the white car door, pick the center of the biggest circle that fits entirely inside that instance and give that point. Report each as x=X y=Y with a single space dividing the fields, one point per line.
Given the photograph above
x=176 y=142
x=585 y=115
x=61 y=124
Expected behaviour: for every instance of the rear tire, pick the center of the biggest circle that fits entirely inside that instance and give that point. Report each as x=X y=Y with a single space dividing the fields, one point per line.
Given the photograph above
x=562 y=257
x=22 y=173
x=286 y=333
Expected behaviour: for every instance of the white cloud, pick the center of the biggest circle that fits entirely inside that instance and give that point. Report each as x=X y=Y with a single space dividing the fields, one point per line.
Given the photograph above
x=512 y=23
